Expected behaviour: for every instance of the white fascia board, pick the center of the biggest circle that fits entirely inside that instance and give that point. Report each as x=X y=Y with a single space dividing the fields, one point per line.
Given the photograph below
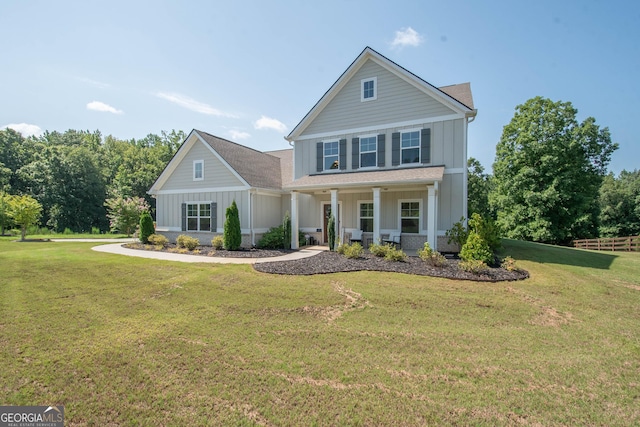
x=202 y=190
x=378 y=127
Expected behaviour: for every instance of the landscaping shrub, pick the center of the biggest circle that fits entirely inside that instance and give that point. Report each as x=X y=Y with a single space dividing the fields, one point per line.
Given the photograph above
x=435 y=258
x=146 y=227
x=379 y=250
x=457 y=234
x=232 y=233
x=188 y=242
x=331 y=232
x=509 y=264
x=217 y=243
x=286 y=229
x=487 y=229
x=274 y=239
x=396 y=255
x=351 y=251
x=158 y=240
x=476 y=249
x=473 y=266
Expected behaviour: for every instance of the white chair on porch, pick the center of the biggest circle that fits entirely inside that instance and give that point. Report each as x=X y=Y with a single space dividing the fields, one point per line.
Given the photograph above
x=356 y=236
x=394 y=238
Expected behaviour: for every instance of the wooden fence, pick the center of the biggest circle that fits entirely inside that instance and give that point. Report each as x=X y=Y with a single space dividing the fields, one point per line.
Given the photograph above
x=631 y=243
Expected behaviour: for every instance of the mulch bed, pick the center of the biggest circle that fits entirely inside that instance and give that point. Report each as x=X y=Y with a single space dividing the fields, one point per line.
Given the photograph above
x=331 y=262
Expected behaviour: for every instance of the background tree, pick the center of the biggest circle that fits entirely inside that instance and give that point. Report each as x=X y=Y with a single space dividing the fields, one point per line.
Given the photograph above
x=25 y=211
x=547 y=173
x=124 y=213
x=620 y=205
x=232 y=232
x=4 y=211
x=478 y=186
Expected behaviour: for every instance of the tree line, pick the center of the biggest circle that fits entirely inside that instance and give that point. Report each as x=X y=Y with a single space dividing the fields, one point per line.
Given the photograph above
x=550 y=182
x=73 y=174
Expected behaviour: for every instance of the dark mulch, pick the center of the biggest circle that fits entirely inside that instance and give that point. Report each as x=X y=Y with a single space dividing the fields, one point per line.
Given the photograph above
x=331 y=262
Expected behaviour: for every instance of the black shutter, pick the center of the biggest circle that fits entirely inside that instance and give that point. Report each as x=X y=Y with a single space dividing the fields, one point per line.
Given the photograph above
x=184 y=217
x=381 y=153
x=343 y=154
x=425 y=146
x=355 y=153
x=395 y=148
x=214 y=217
x=319 y=157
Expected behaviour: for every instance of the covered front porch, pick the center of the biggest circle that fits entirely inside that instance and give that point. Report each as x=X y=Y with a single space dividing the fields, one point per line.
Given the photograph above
x=373 y=206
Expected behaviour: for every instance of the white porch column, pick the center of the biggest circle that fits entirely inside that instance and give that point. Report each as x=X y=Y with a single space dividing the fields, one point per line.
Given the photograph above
x=294 y=220
x=432 y=232
x=376 y=215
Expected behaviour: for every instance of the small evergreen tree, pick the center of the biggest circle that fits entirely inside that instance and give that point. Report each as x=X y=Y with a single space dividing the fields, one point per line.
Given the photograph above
x=331 y=225
x=146 y=227
x=286 y=225
x=232 y=233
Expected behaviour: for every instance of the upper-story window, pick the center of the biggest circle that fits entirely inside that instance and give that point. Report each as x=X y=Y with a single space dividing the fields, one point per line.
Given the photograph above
x=198 y=170
x=410 y=147
x=331 y=155
x=368 y=151
x=369 y=89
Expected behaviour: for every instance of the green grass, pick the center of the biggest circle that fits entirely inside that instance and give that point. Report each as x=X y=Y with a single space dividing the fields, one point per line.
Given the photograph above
x=128 y=341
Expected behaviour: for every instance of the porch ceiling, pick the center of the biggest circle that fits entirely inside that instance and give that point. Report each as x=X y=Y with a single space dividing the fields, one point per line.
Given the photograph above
x=392 y=177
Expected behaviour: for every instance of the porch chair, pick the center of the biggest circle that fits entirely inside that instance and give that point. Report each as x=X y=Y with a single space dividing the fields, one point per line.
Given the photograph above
x=356 y=236
x=394 y=238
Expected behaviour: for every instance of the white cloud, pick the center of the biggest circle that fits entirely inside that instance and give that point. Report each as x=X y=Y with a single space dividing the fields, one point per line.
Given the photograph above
x=25 y=129
x=265 y=122
x=95 y=83
x=407 y=37
x=238 y=135
x=102 y=107
x=193 y=105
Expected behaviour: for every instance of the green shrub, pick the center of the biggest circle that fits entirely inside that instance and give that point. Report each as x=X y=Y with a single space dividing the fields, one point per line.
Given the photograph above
x=476 y=249
x=487 y=229
x=232 y=233
x=351 y=251
x=473 y=266
x=274 y=239
x=457 y=234
x=158 y=240
x=188 y=242
x=286 y=229
x=67 y=231
x=509 y=264
x=331 y=225
x=379 y=250
x=396 y=255
x=146 y=227
x=95 y=230
x=435 y=258
x=217 y=243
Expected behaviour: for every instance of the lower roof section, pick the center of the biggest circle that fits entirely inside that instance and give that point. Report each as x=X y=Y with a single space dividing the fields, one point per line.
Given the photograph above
x=390 y=177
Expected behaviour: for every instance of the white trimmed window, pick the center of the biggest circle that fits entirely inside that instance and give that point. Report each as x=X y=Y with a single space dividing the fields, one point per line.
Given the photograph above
x=369 y=89
x=331 y=152
x=410 y=147
x=368 y=151
x=199 y=216
x=198 y=170
x=410 y=220
x=365 y=216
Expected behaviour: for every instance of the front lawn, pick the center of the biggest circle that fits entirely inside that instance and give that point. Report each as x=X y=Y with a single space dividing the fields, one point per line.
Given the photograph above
x=131 y=341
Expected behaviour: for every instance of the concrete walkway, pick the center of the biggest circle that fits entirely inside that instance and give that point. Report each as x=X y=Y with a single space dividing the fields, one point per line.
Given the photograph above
x=118 y=249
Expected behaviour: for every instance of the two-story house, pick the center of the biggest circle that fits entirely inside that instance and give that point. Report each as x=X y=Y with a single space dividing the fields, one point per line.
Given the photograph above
x=383 y=149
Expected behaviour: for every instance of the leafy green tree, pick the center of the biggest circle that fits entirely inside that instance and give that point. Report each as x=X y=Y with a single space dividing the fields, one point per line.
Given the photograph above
x=547 y=173
x=25 y=211
x=15 y=152
x=620 y=205
x=232 y=233
x=4 y=211
x=478 y=185
x=124 y=213
x=146 y=227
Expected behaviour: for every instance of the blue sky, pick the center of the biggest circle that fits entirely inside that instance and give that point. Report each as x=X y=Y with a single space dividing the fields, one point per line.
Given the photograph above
x=250 y=70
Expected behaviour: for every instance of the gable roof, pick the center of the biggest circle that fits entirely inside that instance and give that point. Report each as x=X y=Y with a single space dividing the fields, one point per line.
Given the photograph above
x=457 y=97
x=255 y=168
x=258 y=169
